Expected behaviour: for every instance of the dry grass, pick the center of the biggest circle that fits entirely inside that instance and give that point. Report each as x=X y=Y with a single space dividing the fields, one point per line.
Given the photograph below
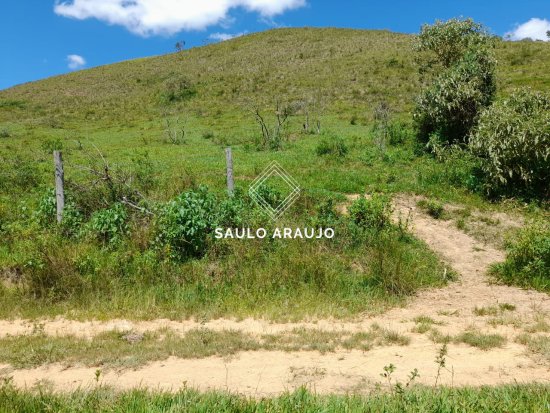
x=130 y=350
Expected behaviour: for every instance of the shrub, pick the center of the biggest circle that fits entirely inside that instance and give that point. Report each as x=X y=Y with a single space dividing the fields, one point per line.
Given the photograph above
x=178 y=89
x=71 y=223
x=47 y=208
x=272 y=196
x=391 y=266
x=231 y=212
x=109 y=225
x=459 y=51
x=46 y=214
x=144 y=172
x=325 y=216
x=332 y=146
x=434 y=208
x=50 y=269
x=398 y=133
x=184 y=225
x=513 y=141
x=373 y=213
x=528 y=258
x=449 y=108
x=52 y=144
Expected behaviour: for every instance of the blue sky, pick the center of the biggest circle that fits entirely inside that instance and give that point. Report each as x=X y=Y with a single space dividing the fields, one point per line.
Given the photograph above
x=42 y=38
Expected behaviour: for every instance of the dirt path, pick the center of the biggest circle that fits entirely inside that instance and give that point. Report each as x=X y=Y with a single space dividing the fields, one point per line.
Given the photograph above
x=262 y=373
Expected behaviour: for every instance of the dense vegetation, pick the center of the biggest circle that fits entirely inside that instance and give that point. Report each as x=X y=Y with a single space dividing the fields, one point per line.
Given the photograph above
x=143 y=145
x=516 y=398
x=513 y=141
x=528 y=259
x=458 y=60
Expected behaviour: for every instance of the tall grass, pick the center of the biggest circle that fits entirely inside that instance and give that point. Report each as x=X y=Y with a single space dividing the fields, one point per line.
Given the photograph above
x=512 y=398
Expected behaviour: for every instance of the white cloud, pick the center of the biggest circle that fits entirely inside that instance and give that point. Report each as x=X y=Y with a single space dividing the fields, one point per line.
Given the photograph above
x=534 y=29
x=75 y=61
x=221 y=37
x=149 y=17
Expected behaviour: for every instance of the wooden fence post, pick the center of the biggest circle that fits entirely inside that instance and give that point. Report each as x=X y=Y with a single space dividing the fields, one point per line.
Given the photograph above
x=229 y=162
x=59 y=184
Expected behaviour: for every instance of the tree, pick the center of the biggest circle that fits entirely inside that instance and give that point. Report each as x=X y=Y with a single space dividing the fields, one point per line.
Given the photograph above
x=512 y=139
x=457 y=59
x=446 y=43
x=179 y=46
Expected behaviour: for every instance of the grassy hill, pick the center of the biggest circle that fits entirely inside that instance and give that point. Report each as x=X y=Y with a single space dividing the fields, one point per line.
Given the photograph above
x=122 y=107
x=349 y=69
x=127 y=111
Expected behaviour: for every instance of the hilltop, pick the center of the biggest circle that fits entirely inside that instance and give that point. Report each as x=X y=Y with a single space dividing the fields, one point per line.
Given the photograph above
x=347 y=69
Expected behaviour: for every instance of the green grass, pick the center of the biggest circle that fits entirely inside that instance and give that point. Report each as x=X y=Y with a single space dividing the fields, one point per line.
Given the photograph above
x=494 y=310
x=513 y=398
x=480 y=340
x=281 y=280
x=424 y=324
x=527 y=261
x=124 y=350
x=432 y=207
x=537 y=344
x=539 y=324
x=118 y=109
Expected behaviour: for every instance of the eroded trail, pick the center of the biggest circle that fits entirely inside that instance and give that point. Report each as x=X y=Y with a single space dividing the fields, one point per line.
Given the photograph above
x=509 y=313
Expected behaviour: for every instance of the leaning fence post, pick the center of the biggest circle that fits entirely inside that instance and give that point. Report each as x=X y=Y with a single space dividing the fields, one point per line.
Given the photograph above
x=229 y=162
x=59 y=184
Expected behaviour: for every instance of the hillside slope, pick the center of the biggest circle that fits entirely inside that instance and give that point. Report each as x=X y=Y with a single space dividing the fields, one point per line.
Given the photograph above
x=348 y=68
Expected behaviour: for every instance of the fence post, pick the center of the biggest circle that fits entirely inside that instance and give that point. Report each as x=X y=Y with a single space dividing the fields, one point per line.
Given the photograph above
x=229 y=162
x=59 y=184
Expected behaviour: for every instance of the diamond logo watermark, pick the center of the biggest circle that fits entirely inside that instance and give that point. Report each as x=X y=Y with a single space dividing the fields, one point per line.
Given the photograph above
x=258 y=193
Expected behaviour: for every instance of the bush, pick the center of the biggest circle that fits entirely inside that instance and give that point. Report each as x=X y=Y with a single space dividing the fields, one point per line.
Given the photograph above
x=46 y=214
x=272 y=196
x=391 y=265
x=184 y=225
x=232 y=211
x=47 y=208
x=332 y=145
x=178 y=89
x=143 y=171
x=50 y=269
x=528 y=258
x=109 y=225
x=208 y=135
x=449 y=108
x=326 y=215
x=373 y=213
x=513 y=141
x=434 y=208
x=398 y=133
x=459 y=51
x=52 y=144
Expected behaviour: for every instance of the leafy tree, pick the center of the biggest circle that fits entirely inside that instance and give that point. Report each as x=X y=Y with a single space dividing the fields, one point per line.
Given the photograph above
x=456 y=56
x=446 y=43
x=513 y=141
